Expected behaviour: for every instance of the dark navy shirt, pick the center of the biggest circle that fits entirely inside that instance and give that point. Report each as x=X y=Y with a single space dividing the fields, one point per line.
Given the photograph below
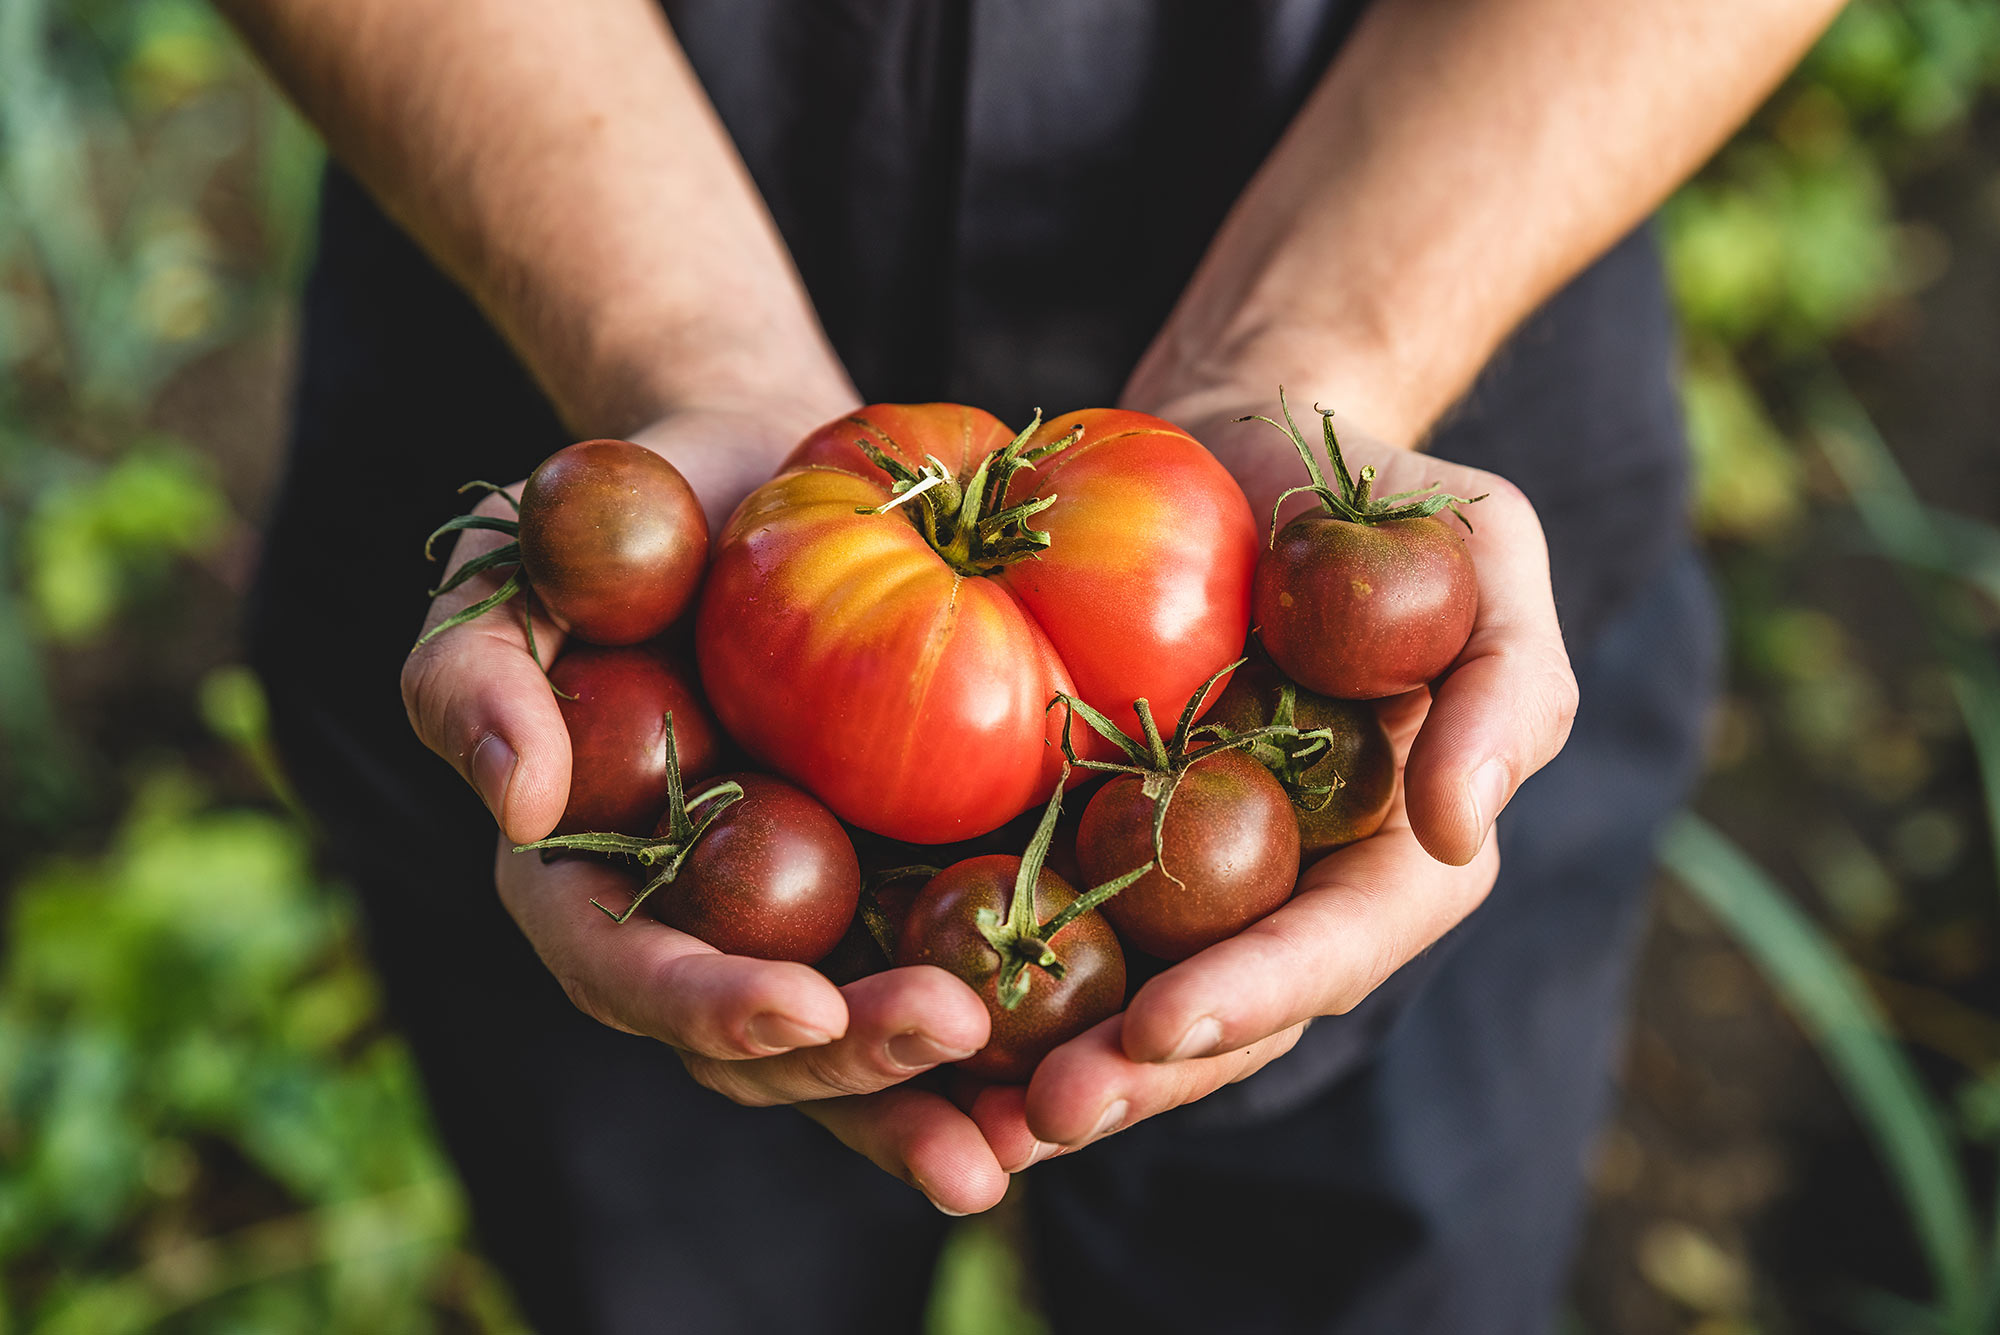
x=995 y=201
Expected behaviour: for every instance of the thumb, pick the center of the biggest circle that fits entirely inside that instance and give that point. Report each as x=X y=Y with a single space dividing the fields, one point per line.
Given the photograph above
x=476 y=697
x=1493 y=722
x=1505 y=710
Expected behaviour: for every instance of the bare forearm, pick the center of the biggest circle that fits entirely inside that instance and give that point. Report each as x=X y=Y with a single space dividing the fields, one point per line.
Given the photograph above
x=563 y=164
x=1461 y=161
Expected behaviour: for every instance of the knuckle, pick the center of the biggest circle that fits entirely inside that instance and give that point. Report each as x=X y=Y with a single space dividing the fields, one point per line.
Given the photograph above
x=1381 y=960
x=428 y=692
x=415 y=681
x=1567 y=697
x=1343 y=978
x=704 y=1072
x=1560 y=699
x=834 y=1068
x=717 y=1078
x=586 y=999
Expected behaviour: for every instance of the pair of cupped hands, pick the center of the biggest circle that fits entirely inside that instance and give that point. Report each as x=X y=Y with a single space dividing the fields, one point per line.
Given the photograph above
x=764 y=1033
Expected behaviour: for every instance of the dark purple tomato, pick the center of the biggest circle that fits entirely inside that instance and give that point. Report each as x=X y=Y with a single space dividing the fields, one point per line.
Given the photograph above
x=860 y=953
x=774 y=877
x=1230 y=838
x=1361 y=755
x=613 y=540
x=943 y=929
x=1362 y=611
x=614 y=702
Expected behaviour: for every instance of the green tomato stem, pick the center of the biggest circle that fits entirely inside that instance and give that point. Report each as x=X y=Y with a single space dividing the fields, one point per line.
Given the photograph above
x=1018 y=939
x=959 y=520
x=667 y=851
x=1160 y=765
x=1347 y=497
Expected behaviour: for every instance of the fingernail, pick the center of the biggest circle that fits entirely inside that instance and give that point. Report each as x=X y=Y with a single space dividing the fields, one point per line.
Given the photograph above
x=781 y=1034
x=1043 y=1150
x=1113 y=1118
x=919 y=1052
x=1203 y=1037
x=492 y=769
x=1489 y=792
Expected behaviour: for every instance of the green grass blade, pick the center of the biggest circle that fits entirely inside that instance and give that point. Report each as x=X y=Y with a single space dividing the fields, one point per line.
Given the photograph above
x=1903 y=528
x=1971 y=550
x=1881 y=1313
x=1806 y=969
x=1933 y=547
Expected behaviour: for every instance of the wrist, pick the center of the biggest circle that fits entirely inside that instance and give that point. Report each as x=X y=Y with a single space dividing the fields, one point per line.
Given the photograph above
x=1356 y=368
x=630 y=379
x=732 y=439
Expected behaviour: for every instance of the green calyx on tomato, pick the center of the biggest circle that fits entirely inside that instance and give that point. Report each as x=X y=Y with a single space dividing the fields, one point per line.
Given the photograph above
x=961 y=522
x=1348 y=495
x=667 y=850
x=505 y=557
x=608 y=538
x=1160 y=763
x=843 y=650
x=1290 y=763
x=1018 y=939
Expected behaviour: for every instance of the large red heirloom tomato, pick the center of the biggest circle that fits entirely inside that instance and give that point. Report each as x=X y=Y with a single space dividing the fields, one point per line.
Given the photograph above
x=887 y=620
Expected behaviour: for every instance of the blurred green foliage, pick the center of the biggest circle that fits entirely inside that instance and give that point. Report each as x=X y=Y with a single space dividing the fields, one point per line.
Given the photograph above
x=204 y=1124
x=1789 y=241
x=91 y=541
x=1859 y=705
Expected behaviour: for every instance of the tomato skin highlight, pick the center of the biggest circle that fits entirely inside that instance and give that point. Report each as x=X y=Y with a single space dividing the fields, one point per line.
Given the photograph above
x=774 y=877
x=1230 y=837
x=1361 y=755
x=1362 y=611
x=614 y=702
x=1141 y=585
x=613 y=540
x=840 y=651
x=942 y=929
x=846 y=653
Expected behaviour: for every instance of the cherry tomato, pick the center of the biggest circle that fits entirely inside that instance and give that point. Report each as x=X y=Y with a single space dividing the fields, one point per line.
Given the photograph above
x=1361 y=757
x=1231 y=846
x=1368 y=595
x=869 y=945
x=899 y=662
x=615 y=702
x=943 y=929
x=1362 y=611
x=773 y=876
x=612 y=540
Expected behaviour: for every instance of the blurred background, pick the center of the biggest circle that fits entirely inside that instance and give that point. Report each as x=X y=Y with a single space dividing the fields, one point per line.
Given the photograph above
x=206 y=1125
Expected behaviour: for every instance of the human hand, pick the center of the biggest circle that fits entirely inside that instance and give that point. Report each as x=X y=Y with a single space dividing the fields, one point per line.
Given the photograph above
x=757 y=1031
x=1463 y=747
x=763 y=1032
x=479 y=699
x=753 y=1030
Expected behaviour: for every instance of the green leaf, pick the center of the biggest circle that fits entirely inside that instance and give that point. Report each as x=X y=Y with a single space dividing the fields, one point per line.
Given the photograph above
x=1841 y=1017
x=1902 y=527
